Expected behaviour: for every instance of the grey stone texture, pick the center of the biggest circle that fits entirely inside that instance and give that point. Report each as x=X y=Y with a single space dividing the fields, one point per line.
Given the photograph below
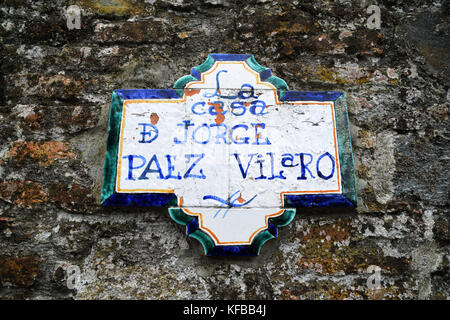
x=55 y=93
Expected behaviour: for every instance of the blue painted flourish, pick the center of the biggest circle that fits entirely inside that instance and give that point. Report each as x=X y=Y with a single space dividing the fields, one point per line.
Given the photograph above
x=229 y=203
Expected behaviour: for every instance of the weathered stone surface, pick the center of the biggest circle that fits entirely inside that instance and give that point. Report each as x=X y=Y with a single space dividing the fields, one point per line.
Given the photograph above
x=143 y=31
x=25 y=193
x=442 y=228
x=55 y=91
x=46 y=153
x=20 y=272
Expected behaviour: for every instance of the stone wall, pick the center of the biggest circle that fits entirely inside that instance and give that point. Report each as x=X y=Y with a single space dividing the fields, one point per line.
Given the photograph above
x=55 y=95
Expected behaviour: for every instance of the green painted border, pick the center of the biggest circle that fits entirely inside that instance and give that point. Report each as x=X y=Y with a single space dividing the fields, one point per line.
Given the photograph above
x=279 y=83
x=284 y=219
x=205 y=66
x=204 y=239
x=207 y=243
x=348 y=179
x=264 y=236
x=112 y=147
x=260 y=239
x=181 y=83
x=182 y=218
x=252 y=63
x=179 y=216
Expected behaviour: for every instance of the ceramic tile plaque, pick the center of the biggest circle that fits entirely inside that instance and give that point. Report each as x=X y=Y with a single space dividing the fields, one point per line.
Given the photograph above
x=230 y=151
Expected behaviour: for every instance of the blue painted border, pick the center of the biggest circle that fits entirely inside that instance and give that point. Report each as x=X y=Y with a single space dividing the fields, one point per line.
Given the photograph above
x=311 y=96
x=140 y=200
x=236 y=250
x=317 y=200
x=136 y=94
x=230 y=56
